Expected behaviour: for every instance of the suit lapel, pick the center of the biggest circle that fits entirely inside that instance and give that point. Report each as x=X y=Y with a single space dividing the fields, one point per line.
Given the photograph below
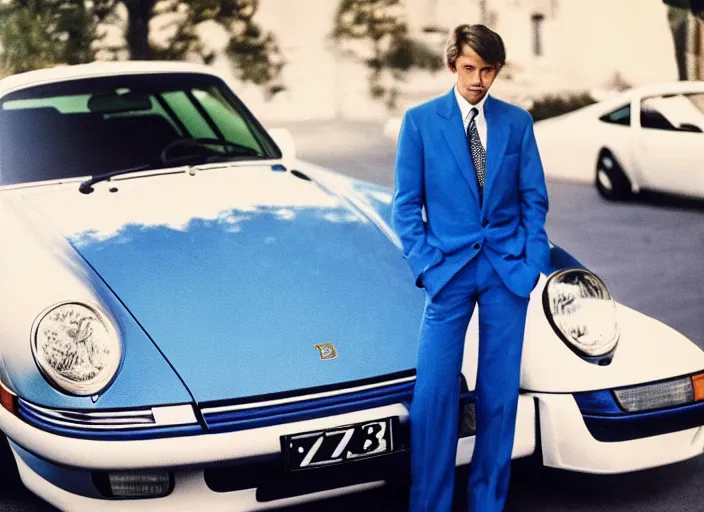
x=453 y=129
x=497 y=140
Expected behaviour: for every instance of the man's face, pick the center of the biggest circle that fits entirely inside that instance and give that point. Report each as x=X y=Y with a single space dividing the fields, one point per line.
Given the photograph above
x=474 y=75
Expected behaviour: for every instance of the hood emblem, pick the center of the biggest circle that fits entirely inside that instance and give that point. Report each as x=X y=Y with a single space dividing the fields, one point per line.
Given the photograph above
x=327 y=351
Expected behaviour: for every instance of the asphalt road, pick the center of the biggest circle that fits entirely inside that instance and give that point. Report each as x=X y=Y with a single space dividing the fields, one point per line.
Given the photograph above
x=649 y=253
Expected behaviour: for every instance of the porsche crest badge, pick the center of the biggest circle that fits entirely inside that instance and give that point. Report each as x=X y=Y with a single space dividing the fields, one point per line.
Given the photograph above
x=327 y=351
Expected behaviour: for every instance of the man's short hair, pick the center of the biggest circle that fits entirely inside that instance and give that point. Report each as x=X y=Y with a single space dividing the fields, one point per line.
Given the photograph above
x=487 y=43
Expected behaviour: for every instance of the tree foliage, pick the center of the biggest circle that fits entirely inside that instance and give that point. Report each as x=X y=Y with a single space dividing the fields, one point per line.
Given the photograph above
x=381 y=25
x=41 y=33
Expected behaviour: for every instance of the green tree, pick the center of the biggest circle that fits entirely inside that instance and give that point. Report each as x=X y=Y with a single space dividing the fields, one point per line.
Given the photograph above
x=255 y=53
x=381 y=24
x=41 y=33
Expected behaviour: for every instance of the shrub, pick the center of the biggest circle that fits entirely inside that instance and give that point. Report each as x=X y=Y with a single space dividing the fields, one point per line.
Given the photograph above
x=554 y=105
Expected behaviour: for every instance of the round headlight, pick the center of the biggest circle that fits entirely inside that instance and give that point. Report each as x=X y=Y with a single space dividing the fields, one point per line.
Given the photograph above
x=77 y=348
x=582 y=311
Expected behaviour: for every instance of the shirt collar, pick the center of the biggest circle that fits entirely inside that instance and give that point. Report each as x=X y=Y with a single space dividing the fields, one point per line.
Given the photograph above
x=466 y=107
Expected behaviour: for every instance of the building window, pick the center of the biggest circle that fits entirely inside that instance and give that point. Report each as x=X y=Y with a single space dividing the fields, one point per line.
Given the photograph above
x=537 y=20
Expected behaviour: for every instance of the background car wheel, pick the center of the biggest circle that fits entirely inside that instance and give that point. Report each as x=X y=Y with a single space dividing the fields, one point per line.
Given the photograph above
x=611 y=182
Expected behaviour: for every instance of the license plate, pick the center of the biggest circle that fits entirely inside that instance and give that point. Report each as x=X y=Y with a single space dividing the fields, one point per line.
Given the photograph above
x=334 y=446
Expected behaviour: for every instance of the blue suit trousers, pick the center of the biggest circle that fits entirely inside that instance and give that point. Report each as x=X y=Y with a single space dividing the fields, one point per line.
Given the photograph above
x=434 y=412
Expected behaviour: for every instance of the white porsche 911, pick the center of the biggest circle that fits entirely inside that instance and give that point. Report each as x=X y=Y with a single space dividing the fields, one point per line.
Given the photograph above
x=192 y=318
x=647 y=138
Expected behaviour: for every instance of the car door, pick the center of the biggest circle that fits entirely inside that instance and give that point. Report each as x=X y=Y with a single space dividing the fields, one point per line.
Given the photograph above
x=670 y=142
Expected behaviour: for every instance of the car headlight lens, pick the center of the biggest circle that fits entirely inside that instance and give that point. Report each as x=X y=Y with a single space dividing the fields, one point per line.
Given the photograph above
x=77 y=348
x=582 y=311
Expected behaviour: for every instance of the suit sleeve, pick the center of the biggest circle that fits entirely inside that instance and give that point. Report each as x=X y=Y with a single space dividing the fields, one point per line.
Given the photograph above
x=409 y=199
x=534 y=201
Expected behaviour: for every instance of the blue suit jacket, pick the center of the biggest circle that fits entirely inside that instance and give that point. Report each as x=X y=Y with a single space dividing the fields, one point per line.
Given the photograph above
x=434 y=170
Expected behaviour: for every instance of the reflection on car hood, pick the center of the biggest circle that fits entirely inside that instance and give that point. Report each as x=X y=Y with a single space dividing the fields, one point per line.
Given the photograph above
x=238 y=273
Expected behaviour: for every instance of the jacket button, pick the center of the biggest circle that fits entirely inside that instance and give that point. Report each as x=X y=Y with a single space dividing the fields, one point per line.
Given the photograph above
x=477 y=246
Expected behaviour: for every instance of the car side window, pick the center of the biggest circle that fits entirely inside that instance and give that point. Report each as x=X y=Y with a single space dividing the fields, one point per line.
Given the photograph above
x=673 y=112
x=620 y=116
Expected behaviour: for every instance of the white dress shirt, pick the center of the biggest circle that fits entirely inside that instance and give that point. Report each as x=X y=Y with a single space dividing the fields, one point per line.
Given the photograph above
x=480 y=120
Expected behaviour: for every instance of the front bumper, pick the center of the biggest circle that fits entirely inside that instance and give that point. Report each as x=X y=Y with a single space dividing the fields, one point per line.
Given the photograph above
x=190 y=493
x=239 y=470
x=175 y=451
x=234 y=471
x=567 y=442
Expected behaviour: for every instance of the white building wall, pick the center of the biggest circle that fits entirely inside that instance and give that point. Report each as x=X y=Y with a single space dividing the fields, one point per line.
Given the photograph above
x=585 y=43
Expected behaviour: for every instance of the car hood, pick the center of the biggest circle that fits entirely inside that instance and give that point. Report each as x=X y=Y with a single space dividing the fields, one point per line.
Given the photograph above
x=238 y=273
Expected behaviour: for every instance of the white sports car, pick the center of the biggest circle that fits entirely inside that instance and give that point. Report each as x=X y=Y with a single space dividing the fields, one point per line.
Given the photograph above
x=191 y=318
x=647 y=138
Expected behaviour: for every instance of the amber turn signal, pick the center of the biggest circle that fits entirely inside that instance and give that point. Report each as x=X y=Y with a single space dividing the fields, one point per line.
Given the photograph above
x=698 y=385
x=8 y=399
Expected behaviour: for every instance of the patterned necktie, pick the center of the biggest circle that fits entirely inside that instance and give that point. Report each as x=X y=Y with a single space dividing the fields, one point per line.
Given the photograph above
x=477 y=150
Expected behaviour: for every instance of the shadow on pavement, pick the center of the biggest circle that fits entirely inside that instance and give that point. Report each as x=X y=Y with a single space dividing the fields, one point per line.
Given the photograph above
x=660 y=199
x=536 y=488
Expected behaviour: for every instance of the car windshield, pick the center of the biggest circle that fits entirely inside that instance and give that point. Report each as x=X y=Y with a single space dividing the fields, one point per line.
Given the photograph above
x=92 y=126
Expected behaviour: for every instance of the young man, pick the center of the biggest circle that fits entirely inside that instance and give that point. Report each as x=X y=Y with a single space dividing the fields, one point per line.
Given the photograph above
x=472 y=163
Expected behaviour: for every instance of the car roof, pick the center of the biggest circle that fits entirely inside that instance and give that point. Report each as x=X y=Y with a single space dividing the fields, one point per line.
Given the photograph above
x=621 y=99
x=97 y=69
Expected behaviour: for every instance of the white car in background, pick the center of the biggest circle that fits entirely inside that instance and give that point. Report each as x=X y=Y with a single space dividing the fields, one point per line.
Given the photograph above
x=647 y=138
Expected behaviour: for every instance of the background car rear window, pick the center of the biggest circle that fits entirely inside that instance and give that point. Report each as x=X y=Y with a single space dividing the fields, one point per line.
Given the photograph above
x=673 y=112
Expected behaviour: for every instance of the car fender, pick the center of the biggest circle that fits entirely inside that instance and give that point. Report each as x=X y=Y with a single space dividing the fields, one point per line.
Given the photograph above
x=647 y=350
x=37 y=260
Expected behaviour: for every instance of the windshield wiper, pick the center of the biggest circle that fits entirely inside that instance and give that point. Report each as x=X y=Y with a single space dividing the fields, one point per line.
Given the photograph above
x=87 y=186
x=231 y=149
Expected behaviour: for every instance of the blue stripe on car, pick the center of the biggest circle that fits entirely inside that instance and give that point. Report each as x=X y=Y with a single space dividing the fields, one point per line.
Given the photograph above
x=249 y=418
x=308 y=409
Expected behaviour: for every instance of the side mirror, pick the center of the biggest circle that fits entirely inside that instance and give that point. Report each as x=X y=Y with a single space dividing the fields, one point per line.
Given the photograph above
x=284 y=140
